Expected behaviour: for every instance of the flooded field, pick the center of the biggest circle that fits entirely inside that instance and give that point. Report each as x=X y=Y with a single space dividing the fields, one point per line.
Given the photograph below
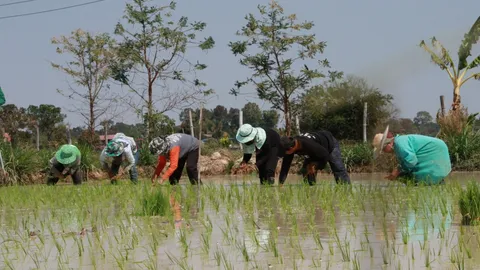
x=233 y=223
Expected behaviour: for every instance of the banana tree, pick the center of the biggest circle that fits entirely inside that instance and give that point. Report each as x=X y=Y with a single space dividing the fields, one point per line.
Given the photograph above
x=458 y=74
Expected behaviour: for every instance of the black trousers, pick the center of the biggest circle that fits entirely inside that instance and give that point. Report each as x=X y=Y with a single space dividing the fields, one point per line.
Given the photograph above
x=266 y=171
x=53 y=179
x=336 y=164
x=191 y=159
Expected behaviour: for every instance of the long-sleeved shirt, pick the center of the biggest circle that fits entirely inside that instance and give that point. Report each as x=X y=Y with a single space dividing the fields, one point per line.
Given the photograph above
x=179 y=145
x=270 y=148
x=311 y=149
x=323 y=137
x=126 y=155
x=423 y=157
x=127 y=140
x=2 y=97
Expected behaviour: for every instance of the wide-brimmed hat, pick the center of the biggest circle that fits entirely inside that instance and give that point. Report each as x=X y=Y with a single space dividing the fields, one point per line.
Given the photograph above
x=246 y=133
x=114 y=148
x=158 y=146
x=67 y=154
x=379 y=142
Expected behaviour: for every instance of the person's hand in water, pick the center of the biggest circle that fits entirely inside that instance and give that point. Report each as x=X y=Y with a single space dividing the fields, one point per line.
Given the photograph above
x=392 y=176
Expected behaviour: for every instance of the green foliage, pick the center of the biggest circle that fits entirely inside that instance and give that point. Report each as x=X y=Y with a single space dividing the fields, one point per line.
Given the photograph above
x=161 y=124
x=153 y=47
x=154 y=203
x=225 y=142
x=469 y=204
x=90 y=158
x=338 y=107
x=145 y=158
x=357 y=155
x=14 y=118
x=441 y=57
x=267 y=50
x=89 y=67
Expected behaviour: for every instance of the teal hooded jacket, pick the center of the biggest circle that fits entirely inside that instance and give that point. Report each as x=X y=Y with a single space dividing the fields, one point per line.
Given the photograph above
x=425 y=159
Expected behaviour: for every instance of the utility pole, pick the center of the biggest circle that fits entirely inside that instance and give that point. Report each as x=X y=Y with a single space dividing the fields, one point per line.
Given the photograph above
x=365 y=123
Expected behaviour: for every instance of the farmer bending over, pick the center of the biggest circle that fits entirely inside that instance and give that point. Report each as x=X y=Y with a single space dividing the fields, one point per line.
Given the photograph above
x=120 y=148
x=179 y=148
x=66 y=162
x=422 y=159
x=318 y=148
x=266 y=144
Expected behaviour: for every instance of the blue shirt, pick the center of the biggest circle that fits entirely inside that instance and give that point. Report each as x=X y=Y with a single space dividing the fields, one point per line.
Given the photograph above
x=425 y=158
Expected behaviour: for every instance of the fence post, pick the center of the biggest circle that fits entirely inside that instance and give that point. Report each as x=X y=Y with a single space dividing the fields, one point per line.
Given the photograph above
x=240 y=123
x=442 y=105
x=191 y=122
x=69 y=137
x=200 y=139
x=297 y=124
x=365 y=123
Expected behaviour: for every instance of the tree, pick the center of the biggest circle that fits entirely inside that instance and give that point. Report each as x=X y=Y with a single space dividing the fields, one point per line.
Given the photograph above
x=424 y=122
x=13 y=119
x=90 y=69
x=252 y=114
x=48 y=117
x=153 y=51
x=269 y=40
x=422 y=118
x=458 y=75
x=338 y=107
x=270 y=118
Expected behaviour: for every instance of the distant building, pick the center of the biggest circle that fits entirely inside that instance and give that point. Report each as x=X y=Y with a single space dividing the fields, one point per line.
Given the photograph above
x=109 y=138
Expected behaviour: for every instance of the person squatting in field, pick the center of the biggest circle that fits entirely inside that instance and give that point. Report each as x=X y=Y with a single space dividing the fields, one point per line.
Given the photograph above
x=266 y=145
x=66 y=162
x=121 y=148
x=318 y=148
x=423 y=159
x=179 y=149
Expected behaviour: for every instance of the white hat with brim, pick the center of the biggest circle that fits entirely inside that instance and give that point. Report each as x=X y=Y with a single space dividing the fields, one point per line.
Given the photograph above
x=379 y=142
x=246 y=133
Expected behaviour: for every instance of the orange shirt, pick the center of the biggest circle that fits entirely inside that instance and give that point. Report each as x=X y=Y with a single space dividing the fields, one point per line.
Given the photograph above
x=174 y=155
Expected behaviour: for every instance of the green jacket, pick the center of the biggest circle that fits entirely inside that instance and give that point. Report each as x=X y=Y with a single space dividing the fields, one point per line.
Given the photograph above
x=424 y=158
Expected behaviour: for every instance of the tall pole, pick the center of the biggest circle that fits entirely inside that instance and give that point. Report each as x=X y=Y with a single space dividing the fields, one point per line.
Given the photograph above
x=297 y=124
x=442 y=105
x=240 y=122
x=69 y=137
x=200 y=138
x=365 y=123
x=38 y=135
x=106 y=132
x=191 y=122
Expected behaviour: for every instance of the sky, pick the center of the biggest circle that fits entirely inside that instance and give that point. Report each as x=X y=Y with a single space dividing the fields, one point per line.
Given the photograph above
x=377 y=40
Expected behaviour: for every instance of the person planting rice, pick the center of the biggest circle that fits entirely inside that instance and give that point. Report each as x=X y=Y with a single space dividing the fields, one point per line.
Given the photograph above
x=422 y=159
x=66 y=162
x=179 y=149
x=318 y=148
x=120 y=148
x=266 y=144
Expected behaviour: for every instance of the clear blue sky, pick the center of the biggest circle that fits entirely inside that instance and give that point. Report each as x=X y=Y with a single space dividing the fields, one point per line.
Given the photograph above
x=375 y=39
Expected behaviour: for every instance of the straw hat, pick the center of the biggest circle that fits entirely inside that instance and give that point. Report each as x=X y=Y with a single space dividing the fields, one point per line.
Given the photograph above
x=379 y=142
x=67 y=154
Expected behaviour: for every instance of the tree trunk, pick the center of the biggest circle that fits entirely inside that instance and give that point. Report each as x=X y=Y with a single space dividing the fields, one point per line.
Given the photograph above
x=287 y=117
x=91 y=124
x=149 y=116
x=456 y=98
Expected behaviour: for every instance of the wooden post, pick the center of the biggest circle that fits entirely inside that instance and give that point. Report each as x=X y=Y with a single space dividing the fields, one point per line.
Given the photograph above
x=297 y=124
x=442 y=105
x=365 y=123
x=240 y=123
x=38 y=135
x=106 y=132
x=200 y=138
x=191 y=122
x=69 y=137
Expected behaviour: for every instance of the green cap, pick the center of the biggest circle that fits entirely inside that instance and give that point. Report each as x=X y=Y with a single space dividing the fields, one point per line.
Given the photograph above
x=67 y=154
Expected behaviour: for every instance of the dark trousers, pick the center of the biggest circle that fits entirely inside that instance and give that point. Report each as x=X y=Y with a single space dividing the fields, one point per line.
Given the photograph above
x=191 y=159
x=52 y=179
x=336 y=164
x=117 y=162
x=266 y=171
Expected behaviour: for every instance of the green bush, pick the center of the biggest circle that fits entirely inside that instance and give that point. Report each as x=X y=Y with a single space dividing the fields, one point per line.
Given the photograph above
x=210 y=146
x=145 y=158
x=356 y=155
x=225 y=142
x=469 y=204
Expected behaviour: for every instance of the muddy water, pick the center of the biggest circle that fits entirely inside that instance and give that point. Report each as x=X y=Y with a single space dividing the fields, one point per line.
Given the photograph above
x=416 y=237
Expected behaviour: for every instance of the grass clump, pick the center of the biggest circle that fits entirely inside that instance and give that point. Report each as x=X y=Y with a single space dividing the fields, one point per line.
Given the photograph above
x=469 y=204
x=154 y=203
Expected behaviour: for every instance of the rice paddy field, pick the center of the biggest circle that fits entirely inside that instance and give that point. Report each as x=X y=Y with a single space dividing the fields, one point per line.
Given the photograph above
x=235 y=223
